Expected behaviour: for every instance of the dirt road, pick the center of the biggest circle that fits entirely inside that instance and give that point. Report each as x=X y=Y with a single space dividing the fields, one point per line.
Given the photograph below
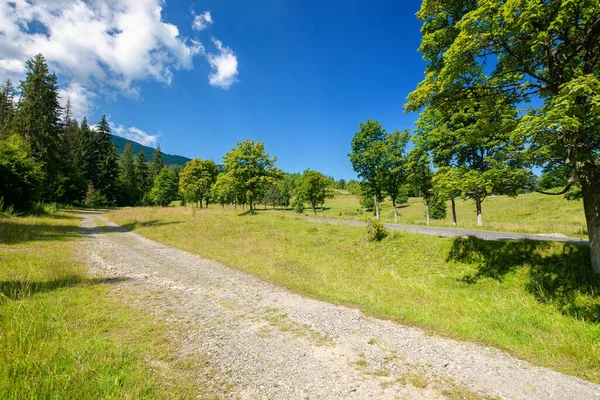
x=270 y=343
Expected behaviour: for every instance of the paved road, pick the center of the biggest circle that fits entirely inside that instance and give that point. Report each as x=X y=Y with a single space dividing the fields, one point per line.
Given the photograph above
x=456 y=232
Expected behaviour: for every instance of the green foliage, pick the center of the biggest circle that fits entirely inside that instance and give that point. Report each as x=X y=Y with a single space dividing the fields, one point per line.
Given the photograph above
x=156 y=165
x=353 y=186
x=19 y=173
x=298 y=205
x=37 y=120
x=402 y=195
x=107 y=168
x=437 y=207
x=197 y=179
x=251 y=167
x=312 y=188
x=165 y=188
x=367 y=148
x=540 y=50
x=376 y=232
x=129 y=191
x=7 y=107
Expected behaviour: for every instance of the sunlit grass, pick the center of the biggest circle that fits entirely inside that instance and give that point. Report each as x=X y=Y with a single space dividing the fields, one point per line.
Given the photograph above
x=537 y=300
x=528 y=213
x=64 y=335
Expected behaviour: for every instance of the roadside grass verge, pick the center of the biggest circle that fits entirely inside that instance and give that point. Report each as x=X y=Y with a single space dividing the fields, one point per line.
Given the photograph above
x=539 y=301
x=528 y=213
x=65 y=335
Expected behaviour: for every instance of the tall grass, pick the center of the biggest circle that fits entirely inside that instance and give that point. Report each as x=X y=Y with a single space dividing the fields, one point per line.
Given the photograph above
x=65 y=335
x=538 y=301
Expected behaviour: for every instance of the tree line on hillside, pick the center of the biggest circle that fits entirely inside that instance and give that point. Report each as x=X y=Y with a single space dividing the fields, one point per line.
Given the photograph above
x=47 y=155
x=484 y=61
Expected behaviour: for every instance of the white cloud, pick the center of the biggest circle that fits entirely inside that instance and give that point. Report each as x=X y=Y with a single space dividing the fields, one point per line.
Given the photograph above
x=224 y=66
x=81 y=100
x=97 y=46
x=202 y=21
x=135 y=134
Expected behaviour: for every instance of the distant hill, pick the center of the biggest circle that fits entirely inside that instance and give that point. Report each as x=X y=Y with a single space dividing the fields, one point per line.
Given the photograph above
x=168 y=159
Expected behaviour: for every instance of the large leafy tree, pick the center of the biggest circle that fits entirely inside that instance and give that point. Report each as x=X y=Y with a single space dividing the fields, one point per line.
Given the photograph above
x=38 y=120
x=165 y=187
x=420 y=175
x=395 y=166
x=470 y=144
x=251 y=167
x=312 y=188
x=367 y=158
x=19 y=173
x=197 y=179
x=527 y=49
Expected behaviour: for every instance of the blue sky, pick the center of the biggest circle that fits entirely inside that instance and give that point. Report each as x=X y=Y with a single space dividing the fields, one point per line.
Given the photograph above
x=299 y=76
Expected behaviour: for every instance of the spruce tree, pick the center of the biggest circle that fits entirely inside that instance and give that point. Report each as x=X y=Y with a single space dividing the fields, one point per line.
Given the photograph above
x=7 y=107
x=107 y=166
x=141 y=175
x=38 y=120
x=72 y=181
x=127 y=178
x=156 y=165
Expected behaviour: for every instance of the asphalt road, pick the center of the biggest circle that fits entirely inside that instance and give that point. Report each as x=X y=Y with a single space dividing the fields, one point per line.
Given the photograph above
x=456 y=232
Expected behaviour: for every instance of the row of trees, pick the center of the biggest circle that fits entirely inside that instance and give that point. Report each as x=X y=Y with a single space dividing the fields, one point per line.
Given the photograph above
x=484 y=61
x=250 y=177
x=46 y=155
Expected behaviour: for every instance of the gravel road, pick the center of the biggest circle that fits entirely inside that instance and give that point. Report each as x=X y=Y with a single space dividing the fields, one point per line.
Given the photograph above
x=273 y=344
x=457 y=232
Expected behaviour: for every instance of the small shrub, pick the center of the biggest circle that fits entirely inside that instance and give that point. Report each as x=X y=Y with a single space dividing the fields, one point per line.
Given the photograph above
x=376 y=231
x=298 y=206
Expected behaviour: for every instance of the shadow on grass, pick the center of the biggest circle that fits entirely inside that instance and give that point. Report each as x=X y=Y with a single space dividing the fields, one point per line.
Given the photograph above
x=558 y=273
x=13 y=232
x=18 y=290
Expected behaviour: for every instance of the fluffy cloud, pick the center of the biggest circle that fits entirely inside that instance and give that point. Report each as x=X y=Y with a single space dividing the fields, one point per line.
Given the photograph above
x=135 y=134
x=97 y=46
x=224 y=66
x=202 y=21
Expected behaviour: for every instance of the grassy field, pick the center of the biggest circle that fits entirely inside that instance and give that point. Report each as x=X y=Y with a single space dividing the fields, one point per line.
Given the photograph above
x=529 y=213
x=537 y=300
x=65 y=335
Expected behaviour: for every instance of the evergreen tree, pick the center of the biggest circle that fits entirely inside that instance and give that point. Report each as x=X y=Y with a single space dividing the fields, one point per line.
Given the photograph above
x=128 y=183
x=38 y=120
x=7 y=107
x=156 y=165
x=107 y=167
x=72 y=180
x=141 y=175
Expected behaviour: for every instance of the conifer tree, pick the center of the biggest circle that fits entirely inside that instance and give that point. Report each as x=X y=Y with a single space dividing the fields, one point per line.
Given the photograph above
x=7 y=107
x=72 y=181
x=38 y=120
x=156 y=165
x=141 y=175
x=127 y=178
x=107 y=167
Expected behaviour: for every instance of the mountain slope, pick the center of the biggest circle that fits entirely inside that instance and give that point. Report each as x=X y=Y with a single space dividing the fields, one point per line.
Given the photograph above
x=168 y=159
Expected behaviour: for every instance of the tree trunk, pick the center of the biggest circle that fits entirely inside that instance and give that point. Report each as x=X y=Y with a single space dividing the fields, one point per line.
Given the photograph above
x=395 y=210
x=314 y=207
x=478 y=207
x=589 y=176
x=200 y=202
x=453 y=211
x=207 y=201
x=376 y=207
x=427 y=211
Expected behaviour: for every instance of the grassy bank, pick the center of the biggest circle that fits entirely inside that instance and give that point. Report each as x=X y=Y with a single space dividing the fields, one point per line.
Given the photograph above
x=65 y=335
x=536 y=300
x=529 y=213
